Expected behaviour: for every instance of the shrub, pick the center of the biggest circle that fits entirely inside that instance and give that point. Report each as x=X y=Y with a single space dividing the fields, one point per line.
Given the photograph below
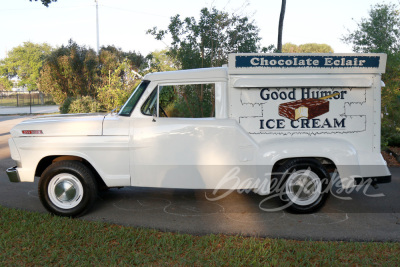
x=390 y=130
x=64 y=108
x=84 y=104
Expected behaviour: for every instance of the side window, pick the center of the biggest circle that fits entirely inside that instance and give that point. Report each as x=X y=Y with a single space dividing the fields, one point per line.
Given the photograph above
x=182 y=101
x=150 y=105
x=187 y=101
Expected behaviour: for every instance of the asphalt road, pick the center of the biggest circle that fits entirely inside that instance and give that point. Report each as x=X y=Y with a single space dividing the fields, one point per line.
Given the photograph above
x=368 y=215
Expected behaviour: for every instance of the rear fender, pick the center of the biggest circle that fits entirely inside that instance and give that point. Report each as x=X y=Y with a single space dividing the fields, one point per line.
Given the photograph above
x=340 y=152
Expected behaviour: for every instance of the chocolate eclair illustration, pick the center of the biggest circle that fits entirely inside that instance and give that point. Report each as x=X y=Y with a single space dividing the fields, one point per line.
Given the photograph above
x=305 y=108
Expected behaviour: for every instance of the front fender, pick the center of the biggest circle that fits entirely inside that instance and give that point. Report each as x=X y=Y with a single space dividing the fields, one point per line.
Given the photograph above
x=109 y=155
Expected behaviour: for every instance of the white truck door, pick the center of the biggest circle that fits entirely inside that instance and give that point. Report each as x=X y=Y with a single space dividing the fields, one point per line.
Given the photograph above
x=181 y=144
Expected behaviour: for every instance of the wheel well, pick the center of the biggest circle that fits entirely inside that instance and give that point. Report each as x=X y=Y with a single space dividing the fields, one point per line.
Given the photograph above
x=328 y=164
x=47 y=161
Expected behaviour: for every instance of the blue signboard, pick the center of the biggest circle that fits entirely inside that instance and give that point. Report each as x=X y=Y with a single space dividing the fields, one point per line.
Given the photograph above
x=306 y=61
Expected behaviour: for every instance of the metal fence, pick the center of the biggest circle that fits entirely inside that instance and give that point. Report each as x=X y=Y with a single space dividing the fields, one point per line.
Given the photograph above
x=24 y=99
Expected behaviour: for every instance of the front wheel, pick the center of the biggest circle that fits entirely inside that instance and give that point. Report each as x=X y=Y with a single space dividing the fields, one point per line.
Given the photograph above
x=304 y=185
x=67 y=188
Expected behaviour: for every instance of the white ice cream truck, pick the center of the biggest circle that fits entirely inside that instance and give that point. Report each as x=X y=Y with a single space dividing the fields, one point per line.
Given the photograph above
x=270 y=123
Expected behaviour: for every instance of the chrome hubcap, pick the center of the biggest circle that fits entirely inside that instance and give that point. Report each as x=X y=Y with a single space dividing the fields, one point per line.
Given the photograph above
x=303 y=187
x=65 y=191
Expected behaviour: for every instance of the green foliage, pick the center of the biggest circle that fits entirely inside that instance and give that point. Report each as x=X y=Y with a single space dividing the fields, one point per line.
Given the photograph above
x=24 y=62
x=46 y=3
x=391 y=102
x=5 y=84
x=188 y=101
x=160 y=61
x=115 y=90
x=110 y=57
x=196 y=101
x=64 y=107
x=307 y=48
x=118 y=76
x=290 y=48
x=69 y=71
x=167 y=96
x=380 y=33
x=73 y=72
x=85 y=104
x=207 y=42
x=36 y=239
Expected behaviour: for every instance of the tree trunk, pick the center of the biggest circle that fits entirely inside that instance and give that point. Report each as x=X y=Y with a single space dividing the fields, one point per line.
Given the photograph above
x=280 y=28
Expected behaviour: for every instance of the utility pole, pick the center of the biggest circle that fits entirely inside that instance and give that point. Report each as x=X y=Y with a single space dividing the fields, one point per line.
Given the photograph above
x=97 y=25
x=280 y=28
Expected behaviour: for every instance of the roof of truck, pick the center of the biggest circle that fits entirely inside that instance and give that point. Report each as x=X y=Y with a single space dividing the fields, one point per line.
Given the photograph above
x=218 y=73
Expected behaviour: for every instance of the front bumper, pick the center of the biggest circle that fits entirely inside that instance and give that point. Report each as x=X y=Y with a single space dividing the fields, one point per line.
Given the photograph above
x=13 y=175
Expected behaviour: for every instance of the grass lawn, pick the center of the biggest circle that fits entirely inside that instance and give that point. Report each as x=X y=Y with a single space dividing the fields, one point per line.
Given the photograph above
x=28 y=238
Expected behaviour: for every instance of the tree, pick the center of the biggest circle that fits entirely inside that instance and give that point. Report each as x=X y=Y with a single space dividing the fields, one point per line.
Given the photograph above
x=24 y=62
x=380 y=33
x=46 y=3
x=114 y=91
x=135 y=60
x=75 y=75
x=280 y=27
x=118 y=76
x=307 y=48
x=69 y=71
x=159 y=61
x=207 y=42
x=5 y=84
x=290 y=48
x=315 y=48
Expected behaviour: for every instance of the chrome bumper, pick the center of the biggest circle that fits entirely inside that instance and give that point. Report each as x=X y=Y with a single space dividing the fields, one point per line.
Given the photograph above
x=12 y=174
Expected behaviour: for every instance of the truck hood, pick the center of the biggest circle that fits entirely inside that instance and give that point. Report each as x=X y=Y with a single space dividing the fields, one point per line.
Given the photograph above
x=60 y=125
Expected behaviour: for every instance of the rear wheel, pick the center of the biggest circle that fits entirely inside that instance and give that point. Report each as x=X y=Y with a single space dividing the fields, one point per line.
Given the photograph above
x=304 y=185
x=67 y=188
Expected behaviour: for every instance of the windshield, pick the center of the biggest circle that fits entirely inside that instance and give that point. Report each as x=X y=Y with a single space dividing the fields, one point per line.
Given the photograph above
x=127 y=109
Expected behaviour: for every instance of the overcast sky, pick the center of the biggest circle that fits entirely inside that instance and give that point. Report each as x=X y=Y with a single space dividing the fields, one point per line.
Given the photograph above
x=124 y=23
